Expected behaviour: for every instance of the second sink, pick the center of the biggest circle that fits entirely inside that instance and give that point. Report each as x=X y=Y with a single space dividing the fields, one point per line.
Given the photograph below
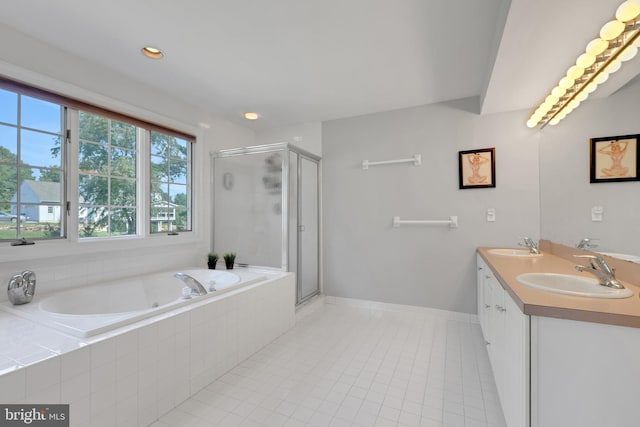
x=569 y=284
x=513 y=252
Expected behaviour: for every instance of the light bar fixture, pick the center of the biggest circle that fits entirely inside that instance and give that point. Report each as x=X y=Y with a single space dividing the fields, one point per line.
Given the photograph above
x=618 y=42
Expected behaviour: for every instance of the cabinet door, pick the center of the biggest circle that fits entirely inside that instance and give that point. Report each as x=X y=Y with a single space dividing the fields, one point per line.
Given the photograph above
x=484 y=274
x=482 y=268
x=515 y=398
x=496 y=329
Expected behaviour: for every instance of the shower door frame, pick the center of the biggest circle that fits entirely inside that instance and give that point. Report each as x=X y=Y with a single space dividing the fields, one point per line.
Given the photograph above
x=286 y=149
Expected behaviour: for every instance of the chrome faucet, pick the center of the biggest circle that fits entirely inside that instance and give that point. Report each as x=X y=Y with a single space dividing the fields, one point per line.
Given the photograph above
x=587 y=243
x=601 y=270
x=529 y=243
x=22 y=287
x=196 y=287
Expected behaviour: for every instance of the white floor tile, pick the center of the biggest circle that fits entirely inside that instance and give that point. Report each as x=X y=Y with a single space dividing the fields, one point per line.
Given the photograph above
x=356 y=365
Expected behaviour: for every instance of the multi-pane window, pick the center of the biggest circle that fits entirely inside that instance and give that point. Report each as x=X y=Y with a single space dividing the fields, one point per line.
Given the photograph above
x=46 y=138
x=31 y=167
x=170 y=183
x=107 y=154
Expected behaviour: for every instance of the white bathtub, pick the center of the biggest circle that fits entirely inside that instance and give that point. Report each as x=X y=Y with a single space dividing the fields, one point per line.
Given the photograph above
x=101 y=307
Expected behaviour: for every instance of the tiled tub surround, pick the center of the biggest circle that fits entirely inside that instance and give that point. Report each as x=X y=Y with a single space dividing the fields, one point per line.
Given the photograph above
x=94 y=309
x=134 y=374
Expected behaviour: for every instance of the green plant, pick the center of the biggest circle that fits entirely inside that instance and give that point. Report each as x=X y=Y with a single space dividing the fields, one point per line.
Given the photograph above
x=212 y=260
x=229 y=259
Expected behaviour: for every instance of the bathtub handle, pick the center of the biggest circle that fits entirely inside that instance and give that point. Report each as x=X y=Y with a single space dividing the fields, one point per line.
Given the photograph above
x=22 y=287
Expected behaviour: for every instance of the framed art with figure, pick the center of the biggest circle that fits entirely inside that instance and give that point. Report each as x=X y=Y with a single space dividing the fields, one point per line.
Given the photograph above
x=614 y=159
x=477 y=168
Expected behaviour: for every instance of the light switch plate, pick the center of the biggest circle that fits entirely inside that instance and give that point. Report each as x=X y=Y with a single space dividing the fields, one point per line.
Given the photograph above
x=491 y=214
x=597 y=213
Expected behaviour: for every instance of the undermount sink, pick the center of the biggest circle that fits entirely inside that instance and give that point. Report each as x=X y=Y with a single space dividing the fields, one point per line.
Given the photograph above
x=513 y=252
x=569 y=284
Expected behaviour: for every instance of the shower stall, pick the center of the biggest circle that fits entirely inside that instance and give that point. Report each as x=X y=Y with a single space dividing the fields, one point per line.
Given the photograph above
x=266 y=206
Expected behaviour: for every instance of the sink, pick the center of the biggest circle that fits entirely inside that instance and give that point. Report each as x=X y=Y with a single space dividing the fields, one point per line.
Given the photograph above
x=513 y=252
x=570 y=284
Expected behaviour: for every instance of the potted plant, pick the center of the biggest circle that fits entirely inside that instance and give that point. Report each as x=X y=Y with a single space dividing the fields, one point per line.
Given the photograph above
x=229 y=259
x=212 y=259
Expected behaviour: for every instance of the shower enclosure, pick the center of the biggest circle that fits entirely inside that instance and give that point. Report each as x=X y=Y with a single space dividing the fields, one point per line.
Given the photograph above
x=266 y=206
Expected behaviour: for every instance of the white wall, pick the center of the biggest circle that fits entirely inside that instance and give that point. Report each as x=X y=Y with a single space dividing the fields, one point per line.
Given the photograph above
x=61 y=264
x=567 y=196
x=433 y=266
x=307 y=136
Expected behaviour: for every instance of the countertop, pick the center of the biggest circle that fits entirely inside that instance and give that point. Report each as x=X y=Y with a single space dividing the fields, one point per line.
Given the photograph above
x=621 y=312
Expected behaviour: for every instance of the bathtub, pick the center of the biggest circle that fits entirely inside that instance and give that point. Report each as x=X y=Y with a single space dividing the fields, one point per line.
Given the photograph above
x=101 y=307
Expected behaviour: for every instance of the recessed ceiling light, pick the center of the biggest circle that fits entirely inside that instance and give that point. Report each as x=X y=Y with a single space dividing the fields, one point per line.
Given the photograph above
x=251 y=115
x=152 y=52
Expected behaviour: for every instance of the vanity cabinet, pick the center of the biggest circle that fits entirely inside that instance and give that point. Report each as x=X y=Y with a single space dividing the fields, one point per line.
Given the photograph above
x=506 y=332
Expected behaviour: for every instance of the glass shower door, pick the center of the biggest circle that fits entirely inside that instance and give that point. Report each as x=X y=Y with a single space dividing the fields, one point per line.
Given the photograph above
x=308 y=229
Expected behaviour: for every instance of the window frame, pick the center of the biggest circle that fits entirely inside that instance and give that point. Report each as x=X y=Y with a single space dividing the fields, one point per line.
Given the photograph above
x=70 y=165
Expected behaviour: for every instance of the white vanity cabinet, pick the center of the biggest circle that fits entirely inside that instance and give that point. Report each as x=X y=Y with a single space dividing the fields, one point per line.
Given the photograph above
x=506 y=332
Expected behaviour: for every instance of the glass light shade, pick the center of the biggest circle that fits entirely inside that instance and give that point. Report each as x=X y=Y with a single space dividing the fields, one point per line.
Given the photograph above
x=566 y=82
x=601 y=78
x=628 y=53
x=591 y=87
x=628 y=10
x=574 y=104
x=613 y=67
x=251 y=115
x=152 y=52
x=611 y=30
x=531 y=123
x=551 y=99
x=582 y=96
x=585 y=60
x=575 y=72
x=554 y=121
x=597 y=46
x=558 y=91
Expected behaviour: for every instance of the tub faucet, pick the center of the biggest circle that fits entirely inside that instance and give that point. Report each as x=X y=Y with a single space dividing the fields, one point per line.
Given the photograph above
x=196 y=287
x=601 y=270
x=587 y=243
x=529 y=243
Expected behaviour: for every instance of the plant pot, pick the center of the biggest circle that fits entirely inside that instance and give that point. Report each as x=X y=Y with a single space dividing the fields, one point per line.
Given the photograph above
x=229 y=265
x=212 y=265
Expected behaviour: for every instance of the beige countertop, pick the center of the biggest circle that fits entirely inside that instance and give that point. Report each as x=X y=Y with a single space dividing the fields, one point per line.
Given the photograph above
x=534 y=302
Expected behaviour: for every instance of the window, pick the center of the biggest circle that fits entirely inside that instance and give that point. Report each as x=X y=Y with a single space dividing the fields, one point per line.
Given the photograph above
x=170 y=183
x=40 y=131
x=107 y=154
x=31 y=167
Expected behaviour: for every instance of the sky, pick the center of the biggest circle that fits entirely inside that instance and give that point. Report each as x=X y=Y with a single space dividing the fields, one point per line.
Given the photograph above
x=44 y=122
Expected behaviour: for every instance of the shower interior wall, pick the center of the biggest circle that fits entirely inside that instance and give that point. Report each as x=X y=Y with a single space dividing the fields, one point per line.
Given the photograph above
x=266 y=210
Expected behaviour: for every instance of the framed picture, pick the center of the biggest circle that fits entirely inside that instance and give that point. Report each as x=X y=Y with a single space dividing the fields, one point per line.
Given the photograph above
x=614 y=159
x=477 y=168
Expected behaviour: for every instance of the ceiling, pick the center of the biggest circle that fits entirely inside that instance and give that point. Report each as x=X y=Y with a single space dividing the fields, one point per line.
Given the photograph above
x=298 y=61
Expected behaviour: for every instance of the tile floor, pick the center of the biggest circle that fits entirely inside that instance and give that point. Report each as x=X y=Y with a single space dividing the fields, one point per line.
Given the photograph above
x=350 y=366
